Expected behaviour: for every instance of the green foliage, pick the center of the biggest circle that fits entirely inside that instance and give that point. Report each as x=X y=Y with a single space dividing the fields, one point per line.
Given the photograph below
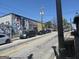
x=48 y=24
x=66 y=25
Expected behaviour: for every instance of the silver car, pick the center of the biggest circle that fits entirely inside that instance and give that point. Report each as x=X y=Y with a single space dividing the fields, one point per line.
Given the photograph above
x=4 y=39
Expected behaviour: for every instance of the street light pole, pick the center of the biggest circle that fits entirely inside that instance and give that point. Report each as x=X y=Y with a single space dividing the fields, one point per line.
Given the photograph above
x=42 y=14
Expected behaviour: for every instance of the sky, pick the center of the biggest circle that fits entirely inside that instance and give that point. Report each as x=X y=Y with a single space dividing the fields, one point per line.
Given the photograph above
x=31 y=8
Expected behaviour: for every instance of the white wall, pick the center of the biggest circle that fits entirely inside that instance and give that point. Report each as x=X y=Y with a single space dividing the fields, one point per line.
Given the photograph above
x=6 y=18
x=27 y=24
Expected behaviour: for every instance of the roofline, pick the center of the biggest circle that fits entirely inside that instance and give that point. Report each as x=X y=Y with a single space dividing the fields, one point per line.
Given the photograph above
x=19 y=16
x=5 y=15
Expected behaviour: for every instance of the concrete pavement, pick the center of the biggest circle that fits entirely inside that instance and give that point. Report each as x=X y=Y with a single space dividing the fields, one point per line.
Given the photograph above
x=38 y=47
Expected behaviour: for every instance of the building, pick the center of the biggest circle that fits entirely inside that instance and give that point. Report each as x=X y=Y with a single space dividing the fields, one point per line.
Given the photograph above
x=14 y=23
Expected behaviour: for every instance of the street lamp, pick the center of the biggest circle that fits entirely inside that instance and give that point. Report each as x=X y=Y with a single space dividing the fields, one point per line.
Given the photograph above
x=42 y=14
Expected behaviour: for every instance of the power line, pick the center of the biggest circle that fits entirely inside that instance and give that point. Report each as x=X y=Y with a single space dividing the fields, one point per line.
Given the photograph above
x=6 y=7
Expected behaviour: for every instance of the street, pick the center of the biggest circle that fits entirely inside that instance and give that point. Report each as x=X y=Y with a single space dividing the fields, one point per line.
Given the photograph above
x=40 y=47
x=42 y=29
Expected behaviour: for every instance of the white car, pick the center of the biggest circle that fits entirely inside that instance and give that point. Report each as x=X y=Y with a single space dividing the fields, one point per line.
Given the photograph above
x=4 y=39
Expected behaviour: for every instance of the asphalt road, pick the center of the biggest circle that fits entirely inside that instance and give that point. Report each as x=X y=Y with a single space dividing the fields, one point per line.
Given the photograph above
x=40 y=48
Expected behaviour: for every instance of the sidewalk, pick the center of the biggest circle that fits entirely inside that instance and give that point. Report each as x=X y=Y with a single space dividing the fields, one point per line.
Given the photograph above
x=16 y=38
x=68 y=36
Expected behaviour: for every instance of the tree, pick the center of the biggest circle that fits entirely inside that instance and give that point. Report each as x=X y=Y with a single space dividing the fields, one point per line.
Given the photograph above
x=48 y=24
x=66 y=24
x=54 y=22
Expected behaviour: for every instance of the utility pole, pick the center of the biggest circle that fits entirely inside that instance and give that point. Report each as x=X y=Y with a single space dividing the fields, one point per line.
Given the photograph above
x=42 y=14
x=59 y=22
x=76 y=21
x=60 y=28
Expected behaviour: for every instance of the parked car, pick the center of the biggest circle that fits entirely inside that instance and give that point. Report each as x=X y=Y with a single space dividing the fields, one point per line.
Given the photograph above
x=32 y=33
x=4 y=39
x=41 y=32
x=65 y=30
x=27 y=34
x=73 y=32
x=24 y=35
x=54 y=30
x=48 y=31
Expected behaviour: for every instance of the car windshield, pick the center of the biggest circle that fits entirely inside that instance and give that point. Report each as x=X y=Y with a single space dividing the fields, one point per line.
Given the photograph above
x=2 y=36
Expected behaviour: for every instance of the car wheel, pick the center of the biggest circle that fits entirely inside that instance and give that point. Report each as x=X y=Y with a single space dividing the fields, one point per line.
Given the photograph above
x=8 y=41
x=27 y=36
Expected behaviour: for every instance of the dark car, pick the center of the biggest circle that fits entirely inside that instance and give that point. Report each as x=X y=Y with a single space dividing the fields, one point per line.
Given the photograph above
x=31 y=33
x=73 y=32
x=48 y=31
x=41 y=32
x=24 y=35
